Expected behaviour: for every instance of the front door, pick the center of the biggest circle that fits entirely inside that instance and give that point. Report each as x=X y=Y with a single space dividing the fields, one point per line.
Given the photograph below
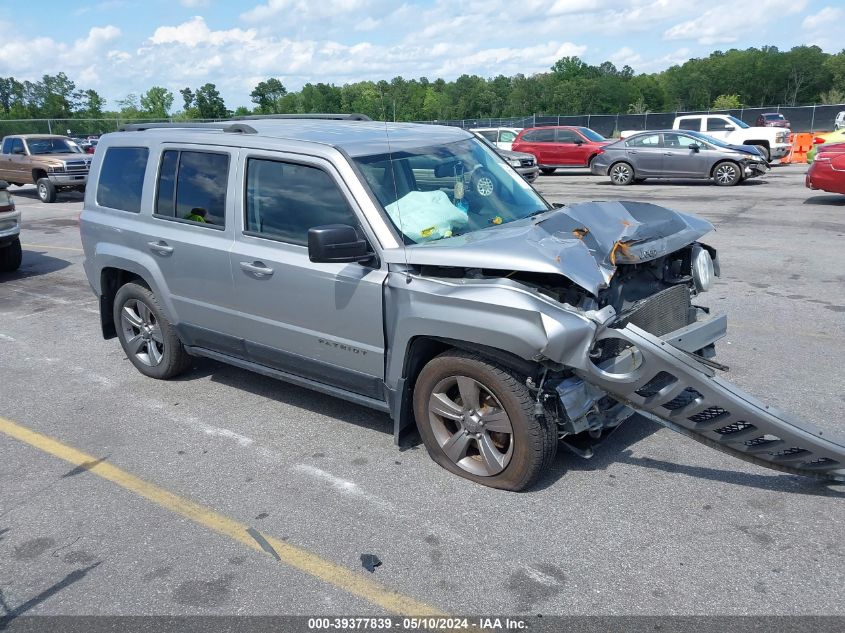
x=679 y=160
x=320 y=321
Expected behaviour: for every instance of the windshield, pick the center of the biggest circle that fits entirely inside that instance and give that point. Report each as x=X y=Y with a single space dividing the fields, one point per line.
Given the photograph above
x=591 y=134
x=436 y=192
x=39 y=146
x=738 y=123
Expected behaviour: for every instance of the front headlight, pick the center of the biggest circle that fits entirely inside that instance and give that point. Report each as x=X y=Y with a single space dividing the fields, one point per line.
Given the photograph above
x=515 y=162
x=702 y=268
x=55 y=168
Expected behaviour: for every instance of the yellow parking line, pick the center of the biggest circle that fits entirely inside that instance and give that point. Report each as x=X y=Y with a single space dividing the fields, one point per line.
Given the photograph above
x=291 y=555
x=61 y=248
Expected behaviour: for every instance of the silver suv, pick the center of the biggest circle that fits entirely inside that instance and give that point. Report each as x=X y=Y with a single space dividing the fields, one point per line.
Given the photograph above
x=408 y=268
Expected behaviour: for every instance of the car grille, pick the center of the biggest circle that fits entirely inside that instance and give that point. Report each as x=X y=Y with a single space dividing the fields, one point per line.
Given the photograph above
x=77 y=166
x=526 y=162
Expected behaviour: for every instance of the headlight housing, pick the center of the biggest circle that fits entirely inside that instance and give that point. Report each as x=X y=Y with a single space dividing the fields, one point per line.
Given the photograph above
x=515 y=162
x=702 y=268
x=55 y=168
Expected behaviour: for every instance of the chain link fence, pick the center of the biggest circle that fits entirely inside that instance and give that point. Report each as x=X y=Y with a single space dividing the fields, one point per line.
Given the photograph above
x=815 y=118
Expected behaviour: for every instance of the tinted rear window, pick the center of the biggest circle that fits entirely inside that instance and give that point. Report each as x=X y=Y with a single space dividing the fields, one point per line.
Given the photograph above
x=192 y=187
x=690 y=124
x=539 y=136
x=122 y=178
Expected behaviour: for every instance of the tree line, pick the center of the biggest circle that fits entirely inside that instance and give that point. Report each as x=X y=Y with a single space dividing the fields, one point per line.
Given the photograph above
x=752 y=77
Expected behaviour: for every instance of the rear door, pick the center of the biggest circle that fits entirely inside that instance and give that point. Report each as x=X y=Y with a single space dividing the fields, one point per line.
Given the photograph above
x=320 y=321
x=189 y=234
x=569 y=148
x=540 y=143
x=645 y=153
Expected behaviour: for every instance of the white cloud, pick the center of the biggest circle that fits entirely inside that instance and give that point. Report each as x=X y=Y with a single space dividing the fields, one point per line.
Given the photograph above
x=828 y=17
x=195 y=32
x=721 y=24
x=194 y=4
x=304 y=9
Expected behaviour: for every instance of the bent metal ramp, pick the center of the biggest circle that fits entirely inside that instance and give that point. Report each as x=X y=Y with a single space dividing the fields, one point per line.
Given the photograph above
x=676 y=389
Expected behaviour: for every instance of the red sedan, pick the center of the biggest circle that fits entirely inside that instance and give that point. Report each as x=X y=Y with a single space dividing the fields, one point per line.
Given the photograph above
x=828 y=169
x=560 y=146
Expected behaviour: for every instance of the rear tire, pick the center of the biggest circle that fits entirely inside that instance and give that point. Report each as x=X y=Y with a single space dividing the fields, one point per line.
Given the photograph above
x=477 y=421
x=548 y=171
x=727 y=174
x=11 y=256
x=147 y=337
x=621 y=173
x=46 y=190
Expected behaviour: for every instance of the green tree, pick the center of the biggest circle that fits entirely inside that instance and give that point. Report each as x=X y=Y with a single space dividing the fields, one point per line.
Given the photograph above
x=210 y=104
x=156 y=102
x=727 y=102
x=267 y=96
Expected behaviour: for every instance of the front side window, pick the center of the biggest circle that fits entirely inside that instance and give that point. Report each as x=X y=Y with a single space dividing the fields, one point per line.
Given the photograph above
x=567 y=136
x=192 y=187
x=284 y=200
x=679 y=141
x=122 y=178
x=441 y=191
x=644 y=141
x=506 y=136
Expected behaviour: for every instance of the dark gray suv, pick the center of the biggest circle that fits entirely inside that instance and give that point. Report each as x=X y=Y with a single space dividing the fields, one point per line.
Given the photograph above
x=409 y=269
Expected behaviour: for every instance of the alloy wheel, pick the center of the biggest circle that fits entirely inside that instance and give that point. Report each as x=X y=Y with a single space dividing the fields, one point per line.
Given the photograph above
x=484 y=186
x=621 y=174
x=470 y=425
x=726 y=174
x=142 y=333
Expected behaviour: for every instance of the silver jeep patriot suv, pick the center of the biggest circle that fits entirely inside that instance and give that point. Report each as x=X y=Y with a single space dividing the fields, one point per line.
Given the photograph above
x=408 y=268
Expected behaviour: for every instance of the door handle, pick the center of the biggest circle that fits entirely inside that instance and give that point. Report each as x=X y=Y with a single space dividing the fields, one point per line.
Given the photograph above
x=160 y=247
x=257 y=268
x=630 y=151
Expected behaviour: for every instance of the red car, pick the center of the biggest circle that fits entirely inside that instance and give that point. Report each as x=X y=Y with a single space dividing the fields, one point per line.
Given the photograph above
x=828 y=169
x=560 y=146
x=772 y=119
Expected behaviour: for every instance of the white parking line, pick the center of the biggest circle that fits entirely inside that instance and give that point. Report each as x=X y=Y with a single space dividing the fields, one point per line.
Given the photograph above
x=341 y=485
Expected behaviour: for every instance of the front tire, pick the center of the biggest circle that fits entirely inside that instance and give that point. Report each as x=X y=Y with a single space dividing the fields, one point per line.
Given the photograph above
x=477 y=420
x=621 y=173
x=147 y=337
x=46 y=190
x=727 y=174
x=764 y=151
x=11 y=256
x=548 y=171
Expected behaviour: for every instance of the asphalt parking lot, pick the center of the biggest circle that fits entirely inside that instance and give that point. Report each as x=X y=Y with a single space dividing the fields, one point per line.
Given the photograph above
x=654 y=524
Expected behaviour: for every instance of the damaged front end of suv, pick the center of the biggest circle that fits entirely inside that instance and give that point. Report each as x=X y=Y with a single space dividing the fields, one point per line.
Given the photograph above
x=596 y=307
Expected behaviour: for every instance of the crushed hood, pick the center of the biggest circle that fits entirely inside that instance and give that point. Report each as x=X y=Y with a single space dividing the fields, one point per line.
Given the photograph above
x=583 y=242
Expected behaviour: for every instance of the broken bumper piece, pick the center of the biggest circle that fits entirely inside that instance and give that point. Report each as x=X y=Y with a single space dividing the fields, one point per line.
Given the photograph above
x=667 y=384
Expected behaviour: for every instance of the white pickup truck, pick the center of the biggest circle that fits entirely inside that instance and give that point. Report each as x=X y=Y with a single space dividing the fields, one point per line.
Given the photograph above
x=772 y=142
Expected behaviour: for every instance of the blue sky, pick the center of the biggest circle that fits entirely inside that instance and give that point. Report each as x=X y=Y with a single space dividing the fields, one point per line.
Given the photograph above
x=120 y=46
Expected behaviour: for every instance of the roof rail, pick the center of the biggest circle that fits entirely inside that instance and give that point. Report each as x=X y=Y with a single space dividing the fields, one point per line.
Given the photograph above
x=223 y=126
x=354 y=116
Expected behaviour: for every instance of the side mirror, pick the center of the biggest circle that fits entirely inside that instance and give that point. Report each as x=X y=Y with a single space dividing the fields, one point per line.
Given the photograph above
x=730 y=128
x=695 y=147
x=19 y=151
x=336 y=243
x=578 y=142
